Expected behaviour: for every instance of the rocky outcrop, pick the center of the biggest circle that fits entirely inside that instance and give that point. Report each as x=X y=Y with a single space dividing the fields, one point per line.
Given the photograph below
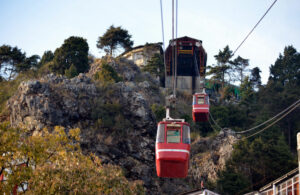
x=51 y=101
x=209 y=155
x=129 y=140
x=131 y=73
x=55 y=100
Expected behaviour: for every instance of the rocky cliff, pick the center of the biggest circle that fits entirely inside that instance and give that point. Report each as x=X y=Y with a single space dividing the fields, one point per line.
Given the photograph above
x=116 y=123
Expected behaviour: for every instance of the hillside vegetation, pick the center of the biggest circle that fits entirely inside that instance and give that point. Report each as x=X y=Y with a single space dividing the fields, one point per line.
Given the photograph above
x=107 y=110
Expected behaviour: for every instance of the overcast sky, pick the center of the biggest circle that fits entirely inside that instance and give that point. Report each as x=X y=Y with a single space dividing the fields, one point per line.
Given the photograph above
x=39 y=25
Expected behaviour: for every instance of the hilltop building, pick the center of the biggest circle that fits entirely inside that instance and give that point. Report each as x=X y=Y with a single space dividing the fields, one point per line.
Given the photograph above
x=140 y=55
x=191 y=64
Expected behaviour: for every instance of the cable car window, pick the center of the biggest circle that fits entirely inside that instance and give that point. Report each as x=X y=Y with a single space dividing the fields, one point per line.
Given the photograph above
x=186 y=134
x=173 y=136
x=200 y=100
x=160 y=137
x=194 y=100
x=206 y=99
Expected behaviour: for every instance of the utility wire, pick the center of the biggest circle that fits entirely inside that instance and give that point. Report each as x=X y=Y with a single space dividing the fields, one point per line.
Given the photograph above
x=295 y=103
x=212 y=126
x=173 y=55
x=214 y=121
x=254 y=27
x=176 y=30
x=273 y=122
x=163 y=36
x=162 y=24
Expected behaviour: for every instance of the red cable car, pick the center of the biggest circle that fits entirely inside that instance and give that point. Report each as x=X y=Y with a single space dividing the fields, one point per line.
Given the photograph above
x=172 y=149
x=200 y=107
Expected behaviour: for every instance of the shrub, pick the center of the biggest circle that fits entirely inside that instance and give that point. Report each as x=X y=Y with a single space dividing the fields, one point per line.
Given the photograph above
x=71 y=72
x=109 y=116
x=107 y=74
x=159 y=111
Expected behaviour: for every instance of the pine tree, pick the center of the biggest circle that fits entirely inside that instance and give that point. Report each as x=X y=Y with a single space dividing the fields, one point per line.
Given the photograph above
x=74 y=51
x=113 y=38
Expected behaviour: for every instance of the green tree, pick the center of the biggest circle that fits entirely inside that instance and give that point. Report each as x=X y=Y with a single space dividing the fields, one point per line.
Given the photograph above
x=156 y=67
x=30 y=62
x=74 y=51
x=259 y=161
x=282 y=90
x=240 y=66
x=232 y=182
x=113 y=38
x=11 y=59
x=286 y=68
x=221 y=72
x=255 y=77
x=47 y=57
x=232 y=116
x=247 y=91
x=266 y=156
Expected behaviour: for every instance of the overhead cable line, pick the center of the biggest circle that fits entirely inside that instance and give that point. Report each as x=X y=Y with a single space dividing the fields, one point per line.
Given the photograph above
x=163 y=35
x=212 y=126
x=214 y=121
x=162 y=24
x=272 y=123
x=173 y=55
x=253 y=128
x=254 y=27
x=176 y=30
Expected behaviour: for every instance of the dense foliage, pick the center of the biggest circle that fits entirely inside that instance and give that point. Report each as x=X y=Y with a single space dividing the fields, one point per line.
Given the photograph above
x=113 y=38
x=268 y=155
x=107 y=74
x=55 y=164
x=46 y=58
x=156 y=67
x=13 y=61
x=71 y=58
x=52 y=163
x=220 y=72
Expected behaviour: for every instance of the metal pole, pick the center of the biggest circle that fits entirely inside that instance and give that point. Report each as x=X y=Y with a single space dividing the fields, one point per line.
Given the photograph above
x=298 y=150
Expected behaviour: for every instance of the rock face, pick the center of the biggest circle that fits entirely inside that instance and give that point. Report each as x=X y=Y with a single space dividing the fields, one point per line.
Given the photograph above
x=129 y=139
x=209 y=155
x=51 y=101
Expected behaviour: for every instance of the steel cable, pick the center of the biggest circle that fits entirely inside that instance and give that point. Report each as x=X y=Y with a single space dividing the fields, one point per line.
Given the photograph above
x=273 y=122
x=254 y=27
x=248 y=130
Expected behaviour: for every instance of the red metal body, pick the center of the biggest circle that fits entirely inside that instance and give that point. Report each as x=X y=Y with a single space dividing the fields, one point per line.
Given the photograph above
x=172 y=159
x=186 y=48
x=200 y=107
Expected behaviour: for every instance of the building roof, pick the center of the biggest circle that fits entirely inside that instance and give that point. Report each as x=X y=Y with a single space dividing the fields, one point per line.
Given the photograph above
x=141 y=46
x=197 y=191
x=280 y=179
x=187 y=38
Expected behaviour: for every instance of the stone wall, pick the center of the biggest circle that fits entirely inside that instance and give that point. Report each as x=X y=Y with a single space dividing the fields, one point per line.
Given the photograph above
x=185 y=83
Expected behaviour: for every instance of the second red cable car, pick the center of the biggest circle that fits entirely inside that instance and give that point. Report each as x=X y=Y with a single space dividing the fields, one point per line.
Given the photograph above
x=200 y=107
x=172 y=149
